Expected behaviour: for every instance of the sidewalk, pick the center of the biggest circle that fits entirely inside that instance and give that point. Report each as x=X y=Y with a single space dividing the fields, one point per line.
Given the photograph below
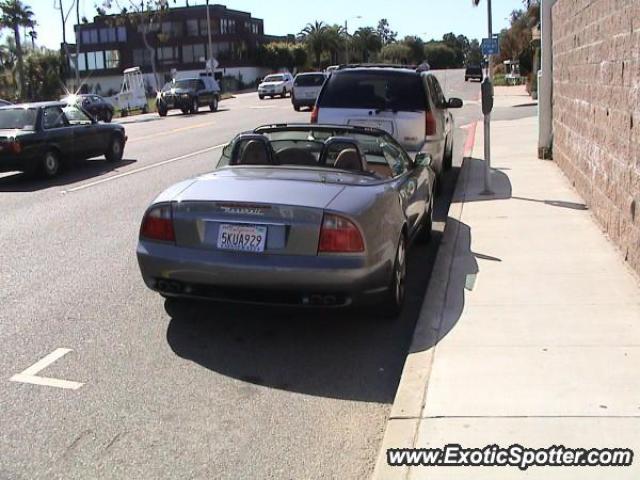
x=530 y=330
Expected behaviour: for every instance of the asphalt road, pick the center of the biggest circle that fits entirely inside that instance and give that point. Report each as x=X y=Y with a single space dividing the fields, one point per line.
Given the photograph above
x=175 y=392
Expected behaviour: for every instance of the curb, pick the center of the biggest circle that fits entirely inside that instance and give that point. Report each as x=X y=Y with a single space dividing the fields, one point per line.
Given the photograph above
x=404 y=420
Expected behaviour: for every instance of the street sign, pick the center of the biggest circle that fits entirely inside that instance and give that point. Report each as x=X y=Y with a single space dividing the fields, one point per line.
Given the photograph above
x=490 y=46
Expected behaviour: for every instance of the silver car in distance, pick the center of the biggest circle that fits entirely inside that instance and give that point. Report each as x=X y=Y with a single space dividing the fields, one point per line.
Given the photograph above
x=301 y=215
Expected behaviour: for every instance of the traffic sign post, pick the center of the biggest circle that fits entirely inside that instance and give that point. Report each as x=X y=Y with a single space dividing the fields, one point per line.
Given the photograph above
x=490 y=46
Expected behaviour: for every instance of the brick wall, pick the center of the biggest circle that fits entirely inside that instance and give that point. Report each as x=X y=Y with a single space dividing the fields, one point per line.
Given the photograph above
x=596 y=112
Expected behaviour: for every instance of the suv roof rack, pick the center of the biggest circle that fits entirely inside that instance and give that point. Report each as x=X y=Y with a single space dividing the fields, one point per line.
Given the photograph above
x=377 y=65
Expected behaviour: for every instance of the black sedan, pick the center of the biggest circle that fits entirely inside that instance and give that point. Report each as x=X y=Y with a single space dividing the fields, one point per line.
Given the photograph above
x=42 y=137
x=97 y=106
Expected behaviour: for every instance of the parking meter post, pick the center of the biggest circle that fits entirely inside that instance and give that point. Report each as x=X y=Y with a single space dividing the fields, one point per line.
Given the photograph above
x=487 y=106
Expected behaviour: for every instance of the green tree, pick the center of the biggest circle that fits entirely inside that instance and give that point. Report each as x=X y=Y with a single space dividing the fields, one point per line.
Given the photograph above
x=475 y=56
x=335 y=42
x=42 y=68
x=15 y=15
x=416 y=48
x=385 y=33
x=397 y=52
x=439 y=55
x=367 y=43
x=315 y=37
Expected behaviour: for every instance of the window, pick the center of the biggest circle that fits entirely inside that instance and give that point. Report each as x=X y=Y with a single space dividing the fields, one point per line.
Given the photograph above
x=310 y=80
x=395 y=158
x=112 y=58
x=192 y=28
x=90 y=36
x=121 y=34
x=52 y=117
x=107 y=35
x=95 y=60
x=18 y=118
x=167 y=55
x=141 y=57
x=172 y=29
x=374 y=90
x=193 y=53
x=215 y=27
x=75 y=116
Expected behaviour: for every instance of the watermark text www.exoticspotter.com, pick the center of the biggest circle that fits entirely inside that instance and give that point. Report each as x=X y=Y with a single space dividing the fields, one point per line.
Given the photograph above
x=454 y=455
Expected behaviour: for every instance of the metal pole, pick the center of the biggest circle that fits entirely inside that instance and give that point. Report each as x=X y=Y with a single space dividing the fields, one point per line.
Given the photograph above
x=210 y=63
x=346 y=43
x=487 y=118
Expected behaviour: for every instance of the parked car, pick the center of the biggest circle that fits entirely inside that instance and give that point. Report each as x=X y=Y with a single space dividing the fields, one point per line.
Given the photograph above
x=303 y=215
x=473 y=72
x=306 y=88
x=4 y=103
x=95 y=105
x=277 y=84
x=409 y=104
x=42 y=137
x=188 y=95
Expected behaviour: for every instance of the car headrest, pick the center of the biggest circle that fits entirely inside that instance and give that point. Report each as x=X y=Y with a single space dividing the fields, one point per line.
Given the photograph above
x=254 y=153
x=350 y=159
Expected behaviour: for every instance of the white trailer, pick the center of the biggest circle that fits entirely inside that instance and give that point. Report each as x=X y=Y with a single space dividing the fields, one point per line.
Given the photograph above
x=132 y=95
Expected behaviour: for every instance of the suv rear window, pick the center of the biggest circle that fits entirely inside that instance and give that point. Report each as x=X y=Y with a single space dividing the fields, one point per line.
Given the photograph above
x=309 y=80
x=374 y=89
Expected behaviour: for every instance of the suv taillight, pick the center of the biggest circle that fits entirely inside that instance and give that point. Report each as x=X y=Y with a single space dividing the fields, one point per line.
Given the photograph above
x=430 y=127
x=339 y=235
x=314 y=114
x=158 y=224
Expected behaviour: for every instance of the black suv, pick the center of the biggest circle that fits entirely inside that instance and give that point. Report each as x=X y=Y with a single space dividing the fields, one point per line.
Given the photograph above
x=189 y=94
x=473 y=72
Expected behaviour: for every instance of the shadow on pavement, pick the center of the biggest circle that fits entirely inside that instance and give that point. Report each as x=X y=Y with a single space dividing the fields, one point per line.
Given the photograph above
x=77 y=172
x=351 y=354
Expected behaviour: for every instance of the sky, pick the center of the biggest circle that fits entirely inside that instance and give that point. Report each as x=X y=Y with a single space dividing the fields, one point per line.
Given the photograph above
x=425 y=18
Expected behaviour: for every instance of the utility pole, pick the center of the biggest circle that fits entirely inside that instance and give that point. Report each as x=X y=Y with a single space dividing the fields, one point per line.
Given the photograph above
x=210 y=62
x=487 y=114
x=346 y=43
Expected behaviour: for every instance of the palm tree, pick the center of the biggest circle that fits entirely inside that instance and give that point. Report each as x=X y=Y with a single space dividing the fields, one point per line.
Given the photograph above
x=33 y=35
x=367 y=41
x=315 y=36
x=335 y=42
x=14 y=15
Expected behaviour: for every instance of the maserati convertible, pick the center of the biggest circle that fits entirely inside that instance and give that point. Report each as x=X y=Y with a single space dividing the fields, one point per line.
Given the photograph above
x=301 y=215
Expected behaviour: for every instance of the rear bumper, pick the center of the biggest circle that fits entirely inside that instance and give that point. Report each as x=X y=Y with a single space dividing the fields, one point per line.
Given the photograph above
x=21 y=164
x=303 y=102
x=332 y=281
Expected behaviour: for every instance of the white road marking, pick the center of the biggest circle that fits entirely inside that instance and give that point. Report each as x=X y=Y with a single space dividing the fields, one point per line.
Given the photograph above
x=142 y=169
x=30 y=374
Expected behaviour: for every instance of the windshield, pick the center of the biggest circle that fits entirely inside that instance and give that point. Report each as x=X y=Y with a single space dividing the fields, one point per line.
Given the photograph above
x=374 y=89
x=191 y=84
x=382 y=157
x=274 y=78
x=315 y=80
x=18 y=118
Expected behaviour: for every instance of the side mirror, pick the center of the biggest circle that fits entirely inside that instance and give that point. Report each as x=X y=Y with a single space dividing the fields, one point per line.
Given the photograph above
x=423 y=160
x=455 y=103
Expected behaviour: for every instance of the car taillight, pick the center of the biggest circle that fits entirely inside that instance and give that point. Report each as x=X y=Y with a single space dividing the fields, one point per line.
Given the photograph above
x=430 y=124
x=314 y=114
x=158 y=224
x=339 y=235
x=14 y=147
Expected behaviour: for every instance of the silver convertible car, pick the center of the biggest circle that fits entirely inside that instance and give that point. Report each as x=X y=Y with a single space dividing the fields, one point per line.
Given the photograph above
x=302 y=215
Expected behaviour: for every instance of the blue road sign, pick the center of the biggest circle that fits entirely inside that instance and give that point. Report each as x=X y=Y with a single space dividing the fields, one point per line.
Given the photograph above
x=490 y=46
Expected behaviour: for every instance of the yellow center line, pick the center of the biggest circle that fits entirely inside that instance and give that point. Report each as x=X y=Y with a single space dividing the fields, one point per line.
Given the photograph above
x=175 y=130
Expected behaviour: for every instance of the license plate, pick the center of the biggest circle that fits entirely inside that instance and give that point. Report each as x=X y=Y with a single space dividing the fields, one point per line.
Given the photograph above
x=242 y=238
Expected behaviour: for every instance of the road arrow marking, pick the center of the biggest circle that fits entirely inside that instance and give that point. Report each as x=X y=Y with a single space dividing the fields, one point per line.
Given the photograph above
x=30 y=374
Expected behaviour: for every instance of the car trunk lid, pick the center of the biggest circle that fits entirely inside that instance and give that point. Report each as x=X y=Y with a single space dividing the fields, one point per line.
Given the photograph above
x=284 y=207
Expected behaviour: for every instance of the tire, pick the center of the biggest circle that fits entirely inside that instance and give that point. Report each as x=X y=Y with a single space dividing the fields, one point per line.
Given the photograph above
x=296 y=108
x=213 y=106
x=184 y=111
x=394 y=301
x=116 y=150
x=466 y=79
x=162 y=111
x=108 y=116
x=284 y=93
x=447 y=159
x=195 y=106
x=426 y=229
x=51 y=164
x=261 y=97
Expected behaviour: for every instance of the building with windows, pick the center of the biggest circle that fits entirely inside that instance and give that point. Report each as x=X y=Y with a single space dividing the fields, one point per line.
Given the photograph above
x=178 y=41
